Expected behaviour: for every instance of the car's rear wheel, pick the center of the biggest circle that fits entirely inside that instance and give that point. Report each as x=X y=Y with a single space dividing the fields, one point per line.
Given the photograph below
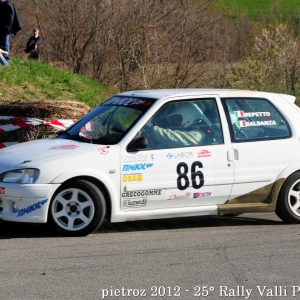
x=77 y=208
x=288 y=203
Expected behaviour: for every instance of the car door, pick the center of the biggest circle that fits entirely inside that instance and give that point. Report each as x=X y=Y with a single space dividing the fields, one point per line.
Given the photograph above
x=261 y=138
x=186 y=162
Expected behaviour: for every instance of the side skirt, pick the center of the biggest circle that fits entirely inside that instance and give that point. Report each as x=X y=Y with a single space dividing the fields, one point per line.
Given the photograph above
x=261 y=200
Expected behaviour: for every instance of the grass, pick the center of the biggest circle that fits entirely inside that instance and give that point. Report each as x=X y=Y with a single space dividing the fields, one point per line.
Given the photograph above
x=261 y=8
x=29 y=80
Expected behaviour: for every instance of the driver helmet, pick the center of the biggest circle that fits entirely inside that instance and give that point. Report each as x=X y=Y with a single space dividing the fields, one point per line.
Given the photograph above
x=183 y=115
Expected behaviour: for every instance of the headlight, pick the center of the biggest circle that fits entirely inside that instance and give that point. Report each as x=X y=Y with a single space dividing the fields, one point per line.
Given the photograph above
x=20 y=176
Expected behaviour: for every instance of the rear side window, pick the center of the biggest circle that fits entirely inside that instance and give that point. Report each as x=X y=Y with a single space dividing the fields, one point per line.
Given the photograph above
x=254 y=119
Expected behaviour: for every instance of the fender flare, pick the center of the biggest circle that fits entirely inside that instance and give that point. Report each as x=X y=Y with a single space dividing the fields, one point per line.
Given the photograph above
x=283 y=176
x=289 y=170
x=99 y=176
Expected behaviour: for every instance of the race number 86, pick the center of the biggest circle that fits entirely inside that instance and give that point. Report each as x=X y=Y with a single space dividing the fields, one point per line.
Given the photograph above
x=196 y=176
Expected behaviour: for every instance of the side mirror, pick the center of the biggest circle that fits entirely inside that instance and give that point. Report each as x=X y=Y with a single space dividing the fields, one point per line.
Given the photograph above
x=139 y=143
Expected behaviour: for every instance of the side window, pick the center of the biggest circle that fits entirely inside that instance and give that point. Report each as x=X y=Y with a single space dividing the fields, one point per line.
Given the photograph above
x=184 y=124
x=255 y=119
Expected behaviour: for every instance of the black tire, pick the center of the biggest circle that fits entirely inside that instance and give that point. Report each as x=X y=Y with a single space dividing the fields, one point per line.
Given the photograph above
x=77 y=208
x=288 y=202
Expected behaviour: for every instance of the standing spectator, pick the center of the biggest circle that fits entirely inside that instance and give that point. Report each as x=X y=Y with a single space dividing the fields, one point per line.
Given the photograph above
x=3 y=56
x=9 y=24
x=33 y=46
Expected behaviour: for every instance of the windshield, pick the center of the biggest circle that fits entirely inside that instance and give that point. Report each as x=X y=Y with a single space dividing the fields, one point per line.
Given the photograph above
x=109 y=122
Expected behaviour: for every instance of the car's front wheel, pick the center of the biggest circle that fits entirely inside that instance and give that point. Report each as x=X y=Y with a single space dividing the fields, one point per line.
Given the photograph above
x=288 y=203
x=77 y=208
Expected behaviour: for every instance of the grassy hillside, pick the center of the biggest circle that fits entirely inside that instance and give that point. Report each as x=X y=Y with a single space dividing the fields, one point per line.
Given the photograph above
x=28 y=80
x=265 y=8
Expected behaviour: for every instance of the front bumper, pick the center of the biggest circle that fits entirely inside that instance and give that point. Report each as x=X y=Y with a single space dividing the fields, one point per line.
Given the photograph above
x=25 y=202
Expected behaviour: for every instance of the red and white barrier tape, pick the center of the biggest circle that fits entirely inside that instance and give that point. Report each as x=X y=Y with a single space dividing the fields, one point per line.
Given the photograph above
x=14 y=126
x=23 y=122
x=28 y=122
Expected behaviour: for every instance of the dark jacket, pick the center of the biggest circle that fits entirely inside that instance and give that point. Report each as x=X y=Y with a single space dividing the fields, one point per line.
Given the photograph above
x=16 y=26
x=32 y=42
x=9 y=19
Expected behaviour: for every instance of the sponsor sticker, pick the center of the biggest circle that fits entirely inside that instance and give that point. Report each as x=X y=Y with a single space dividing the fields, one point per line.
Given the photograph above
x=141 y=193
x=64 y=147
x=136 y=167
x=138 y=202
x=125 y=101
x=203 y=194
x=135 y=157
x=2 y=190
x=204 y=153
x=129 y=101
x=169 y=155
x=183 y=196
x=180 y=155
x=31 y=208
x=103 y=150
x=132 y=177
x=183 y=155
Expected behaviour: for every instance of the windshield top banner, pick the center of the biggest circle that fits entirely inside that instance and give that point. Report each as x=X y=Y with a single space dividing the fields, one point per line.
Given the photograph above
x=137 y=103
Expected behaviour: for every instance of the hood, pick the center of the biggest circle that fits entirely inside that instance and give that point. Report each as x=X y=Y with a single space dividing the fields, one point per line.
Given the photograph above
x=33 y=152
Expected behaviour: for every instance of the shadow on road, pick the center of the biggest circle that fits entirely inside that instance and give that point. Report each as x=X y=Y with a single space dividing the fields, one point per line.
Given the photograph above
x=190 y=222
x=10 y=230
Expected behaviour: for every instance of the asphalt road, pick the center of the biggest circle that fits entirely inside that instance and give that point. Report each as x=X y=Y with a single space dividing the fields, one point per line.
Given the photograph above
x=253 y=256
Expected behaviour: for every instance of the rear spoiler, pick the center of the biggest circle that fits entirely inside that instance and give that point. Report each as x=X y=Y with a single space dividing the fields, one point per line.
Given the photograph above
x=288 y=98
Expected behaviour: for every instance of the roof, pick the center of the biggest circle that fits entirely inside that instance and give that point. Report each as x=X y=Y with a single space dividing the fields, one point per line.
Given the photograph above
x=162 y=93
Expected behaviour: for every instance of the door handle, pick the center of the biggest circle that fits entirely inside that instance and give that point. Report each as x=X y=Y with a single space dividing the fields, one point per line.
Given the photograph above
x=232 y=155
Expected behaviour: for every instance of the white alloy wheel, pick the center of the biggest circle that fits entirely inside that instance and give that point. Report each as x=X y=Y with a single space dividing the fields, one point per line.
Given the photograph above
x=294 y=198
x=77 y=208
x=288 y=202
x=72 y=209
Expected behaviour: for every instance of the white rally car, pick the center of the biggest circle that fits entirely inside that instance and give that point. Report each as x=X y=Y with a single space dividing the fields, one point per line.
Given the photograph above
x=159 y=154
